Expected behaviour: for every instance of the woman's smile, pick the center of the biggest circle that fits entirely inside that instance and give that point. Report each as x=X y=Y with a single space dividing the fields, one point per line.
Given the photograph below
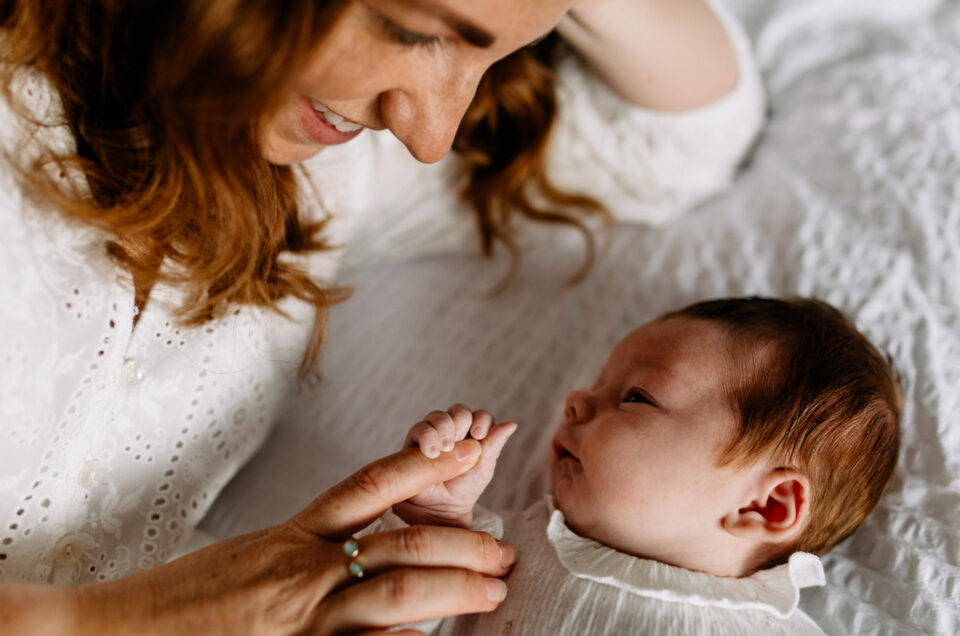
x=325 y=127
x=335 y=119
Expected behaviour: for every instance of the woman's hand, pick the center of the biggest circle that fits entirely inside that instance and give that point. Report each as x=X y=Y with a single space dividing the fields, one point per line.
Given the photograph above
x=668 y=55
x=451 y=502
x=294 y=578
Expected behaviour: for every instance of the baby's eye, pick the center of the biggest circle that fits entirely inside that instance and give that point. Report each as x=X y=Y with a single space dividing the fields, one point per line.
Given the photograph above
x=637 y=396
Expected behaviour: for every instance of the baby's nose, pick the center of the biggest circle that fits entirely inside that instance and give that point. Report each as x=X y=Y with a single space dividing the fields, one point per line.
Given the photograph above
x=577 y=406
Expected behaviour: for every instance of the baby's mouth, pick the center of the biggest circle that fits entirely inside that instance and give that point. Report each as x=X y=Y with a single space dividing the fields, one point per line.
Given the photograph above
x=562 y=452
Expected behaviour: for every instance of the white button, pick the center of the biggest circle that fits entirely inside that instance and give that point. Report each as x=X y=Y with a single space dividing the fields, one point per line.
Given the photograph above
x=70 y=548
x=131 y=372
x=86 y=478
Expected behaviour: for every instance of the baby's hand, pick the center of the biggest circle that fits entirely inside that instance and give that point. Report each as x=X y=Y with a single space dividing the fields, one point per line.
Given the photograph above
x=451 y=502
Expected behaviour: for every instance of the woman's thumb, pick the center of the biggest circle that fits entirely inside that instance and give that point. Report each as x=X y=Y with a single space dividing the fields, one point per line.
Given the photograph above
x=369 y=492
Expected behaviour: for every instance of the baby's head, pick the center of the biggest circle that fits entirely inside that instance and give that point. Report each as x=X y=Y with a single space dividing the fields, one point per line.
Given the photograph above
x=725 y=436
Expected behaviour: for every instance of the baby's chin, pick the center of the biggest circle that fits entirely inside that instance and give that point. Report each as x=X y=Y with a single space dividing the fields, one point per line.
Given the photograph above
x=570 y=513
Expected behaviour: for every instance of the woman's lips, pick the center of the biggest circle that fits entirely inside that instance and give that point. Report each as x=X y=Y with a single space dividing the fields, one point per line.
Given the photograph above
x=319 y=130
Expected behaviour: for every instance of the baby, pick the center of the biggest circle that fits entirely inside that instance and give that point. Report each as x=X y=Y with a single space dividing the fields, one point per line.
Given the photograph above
x=721 y=447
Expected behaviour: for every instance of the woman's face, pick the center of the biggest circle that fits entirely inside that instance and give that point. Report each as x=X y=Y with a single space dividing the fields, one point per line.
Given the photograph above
x=408 y=65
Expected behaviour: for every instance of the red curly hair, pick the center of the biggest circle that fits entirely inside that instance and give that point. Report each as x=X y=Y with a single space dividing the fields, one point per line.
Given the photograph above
x=159 y=97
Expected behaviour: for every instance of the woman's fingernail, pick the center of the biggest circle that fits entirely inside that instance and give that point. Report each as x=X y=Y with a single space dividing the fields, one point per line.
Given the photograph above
x=432 y=451
x=507 y=555
x=496 y=590
x=467 y=451
x=446 y=444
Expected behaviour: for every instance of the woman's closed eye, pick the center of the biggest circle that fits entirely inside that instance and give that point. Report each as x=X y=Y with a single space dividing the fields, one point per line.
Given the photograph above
x=638 y=397
x=404 y=36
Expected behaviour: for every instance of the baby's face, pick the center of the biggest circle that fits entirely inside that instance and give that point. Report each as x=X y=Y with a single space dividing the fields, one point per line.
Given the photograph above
x=634 y=464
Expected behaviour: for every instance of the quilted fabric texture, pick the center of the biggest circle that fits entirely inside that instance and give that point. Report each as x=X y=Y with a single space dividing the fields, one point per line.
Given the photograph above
x=851 y=196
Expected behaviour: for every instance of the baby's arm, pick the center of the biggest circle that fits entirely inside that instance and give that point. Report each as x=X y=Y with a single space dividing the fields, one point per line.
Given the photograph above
x=451 y=503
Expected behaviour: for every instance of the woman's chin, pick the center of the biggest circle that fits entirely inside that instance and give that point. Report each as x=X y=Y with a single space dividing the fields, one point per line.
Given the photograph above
x=282 y=143
x=285 y=153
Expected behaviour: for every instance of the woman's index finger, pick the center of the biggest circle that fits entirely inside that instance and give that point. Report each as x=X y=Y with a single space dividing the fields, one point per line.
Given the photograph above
x=366 y=494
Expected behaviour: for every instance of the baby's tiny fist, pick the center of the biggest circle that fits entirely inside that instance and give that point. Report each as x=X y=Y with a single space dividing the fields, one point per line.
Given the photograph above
x=440 y=430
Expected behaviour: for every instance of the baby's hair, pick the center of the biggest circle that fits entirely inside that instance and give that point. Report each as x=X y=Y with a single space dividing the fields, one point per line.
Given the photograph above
x=816 y=397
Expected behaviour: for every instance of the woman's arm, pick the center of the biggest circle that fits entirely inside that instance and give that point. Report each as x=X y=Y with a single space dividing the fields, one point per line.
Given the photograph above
x=294 y=578
x=666 y=55
x=36 y=609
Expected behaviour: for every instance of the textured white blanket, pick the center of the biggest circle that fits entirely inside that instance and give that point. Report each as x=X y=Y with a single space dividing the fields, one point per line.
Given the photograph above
x=853 y=195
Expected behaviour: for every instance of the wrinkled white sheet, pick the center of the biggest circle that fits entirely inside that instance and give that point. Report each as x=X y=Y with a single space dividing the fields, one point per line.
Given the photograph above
x=852 y=195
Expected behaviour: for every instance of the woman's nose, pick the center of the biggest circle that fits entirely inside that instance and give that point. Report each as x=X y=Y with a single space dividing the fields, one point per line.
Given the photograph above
x=425 y=116
x=578 y=407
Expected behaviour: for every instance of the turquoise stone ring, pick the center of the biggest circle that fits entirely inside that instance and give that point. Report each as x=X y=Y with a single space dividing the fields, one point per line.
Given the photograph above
x=352 y=549
x=356 y=570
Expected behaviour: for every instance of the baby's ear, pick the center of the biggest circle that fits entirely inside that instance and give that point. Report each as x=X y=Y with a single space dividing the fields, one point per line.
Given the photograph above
x=777 y=511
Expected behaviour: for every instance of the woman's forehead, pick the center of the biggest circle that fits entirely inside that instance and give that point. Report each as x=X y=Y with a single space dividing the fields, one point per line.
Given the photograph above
x=499 y=22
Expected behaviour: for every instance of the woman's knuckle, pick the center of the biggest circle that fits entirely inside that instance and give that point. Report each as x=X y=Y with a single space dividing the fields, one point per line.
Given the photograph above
x=487 y=548
x=401 y=588
x=417 y=542
x=472 y=586
x=372 y=479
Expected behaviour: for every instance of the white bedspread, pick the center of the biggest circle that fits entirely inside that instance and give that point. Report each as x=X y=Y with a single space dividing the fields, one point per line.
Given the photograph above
x=853 y=195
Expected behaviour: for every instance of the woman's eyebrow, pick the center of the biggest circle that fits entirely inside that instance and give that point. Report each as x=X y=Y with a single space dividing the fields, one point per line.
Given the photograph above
x=469 y=31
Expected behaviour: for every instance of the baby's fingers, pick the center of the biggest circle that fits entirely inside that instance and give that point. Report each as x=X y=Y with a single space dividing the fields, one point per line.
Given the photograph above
x=462 y=418
x=482 y=421
x=446 y=428
x=424 y=435
x=440 y=430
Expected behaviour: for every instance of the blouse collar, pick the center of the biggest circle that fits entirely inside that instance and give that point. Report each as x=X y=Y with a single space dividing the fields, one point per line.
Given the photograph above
x=775 y=590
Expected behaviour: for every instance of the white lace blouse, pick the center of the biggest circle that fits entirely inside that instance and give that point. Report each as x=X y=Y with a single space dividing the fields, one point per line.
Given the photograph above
x=115 y=439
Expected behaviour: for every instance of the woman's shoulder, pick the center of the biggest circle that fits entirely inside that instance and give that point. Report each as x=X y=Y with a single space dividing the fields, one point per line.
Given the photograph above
x=31 y=115
x=32 y=127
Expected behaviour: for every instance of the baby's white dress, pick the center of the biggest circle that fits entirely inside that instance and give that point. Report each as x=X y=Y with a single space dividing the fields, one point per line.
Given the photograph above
x=567 y=585
x=115 y=440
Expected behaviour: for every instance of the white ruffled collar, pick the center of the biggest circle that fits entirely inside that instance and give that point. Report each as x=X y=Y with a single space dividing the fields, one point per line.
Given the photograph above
x=776 y=590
